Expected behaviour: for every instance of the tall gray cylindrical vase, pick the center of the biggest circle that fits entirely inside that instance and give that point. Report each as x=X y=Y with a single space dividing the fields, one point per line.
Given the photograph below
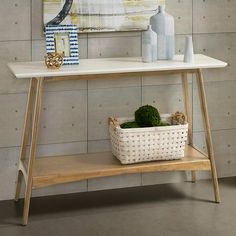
x=163 y=24
x=189 y=54
x=149 y=45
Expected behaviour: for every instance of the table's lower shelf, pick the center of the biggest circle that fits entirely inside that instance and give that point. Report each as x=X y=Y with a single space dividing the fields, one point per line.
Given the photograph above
x=63 y=169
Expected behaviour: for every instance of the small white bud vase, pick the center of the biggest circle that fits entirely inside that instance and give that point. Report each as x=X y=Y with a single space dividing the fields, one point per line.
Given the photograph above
x=149 y=45
x=163 y=24
x=189 y=54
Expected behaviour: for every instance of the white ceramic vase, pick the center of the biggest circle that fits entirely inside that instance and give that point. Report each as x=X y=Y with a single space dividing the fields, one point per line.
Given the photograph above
x=149 y=45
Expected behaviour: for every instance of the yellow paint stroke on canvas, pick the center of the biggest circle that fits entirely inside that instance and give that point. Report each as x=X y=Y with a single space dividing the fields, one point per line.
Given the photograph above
x=74 y=15
x=52 y=1
x=137 y=18
x=132 y=3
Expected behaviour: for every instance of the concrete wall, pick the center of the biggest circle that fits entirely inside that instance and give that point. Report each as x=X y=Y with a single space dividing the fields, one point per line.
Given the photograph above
x=83 y=107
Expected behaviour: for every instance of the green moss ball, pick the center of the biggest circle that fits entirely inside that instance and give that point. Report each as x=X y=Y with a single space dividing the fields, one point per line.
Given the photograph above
x=147 y=116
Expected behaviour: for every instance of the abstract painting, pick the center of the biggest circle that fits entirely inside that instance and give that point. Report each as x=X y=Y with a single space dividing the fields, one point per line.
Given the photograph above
x=100 y=15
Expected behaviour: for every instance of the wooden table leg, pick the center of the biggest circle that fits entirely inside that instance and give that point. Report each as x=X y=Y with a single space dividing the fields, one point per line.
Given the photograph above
x=25 y=139
x=33 y=145
x=188 y=112
x=210 y=150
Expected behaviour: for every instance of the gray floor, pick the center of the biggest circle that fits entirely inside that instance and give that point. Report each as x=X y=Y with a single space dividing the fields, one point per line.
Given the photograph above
x=173 y=209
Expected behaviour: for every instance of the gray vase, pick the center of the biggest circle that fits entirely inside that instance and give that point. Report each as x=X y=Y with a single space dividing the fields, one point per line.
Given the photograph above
x=189 y=54
x=149 y=45
x=163 y=24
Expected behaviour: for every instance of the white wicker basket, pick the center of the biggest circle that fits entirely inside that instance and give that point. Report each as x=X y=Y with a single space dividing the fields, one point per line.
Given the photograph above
x=147 y=144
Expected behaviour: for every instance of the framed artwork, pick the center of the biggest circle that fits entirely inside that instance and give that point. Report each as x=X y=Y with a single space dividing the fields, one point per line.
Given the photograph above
x=63 y=39
x=100 y=15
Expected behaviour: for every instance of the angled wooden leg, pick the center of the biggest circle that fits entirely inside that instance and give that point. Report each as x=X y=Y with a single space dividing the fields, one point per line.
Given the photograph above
x=25 y=139
x=210 y=150
x=33 y=145
x=189 y=113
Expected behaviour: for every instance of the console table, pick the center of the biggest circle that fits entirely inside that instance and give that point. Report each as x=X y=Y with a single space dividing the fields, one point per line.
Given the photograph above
x=46 y=171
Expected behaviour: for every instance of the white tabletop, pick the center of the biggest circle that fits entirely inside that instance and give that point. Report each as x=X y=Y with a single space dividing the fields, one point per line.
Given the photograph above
x=112 y=65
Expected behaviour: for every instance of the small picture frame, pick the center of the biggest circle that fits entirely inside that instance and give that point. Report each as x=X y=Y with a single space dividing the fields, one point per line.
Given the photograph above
x=63 y=39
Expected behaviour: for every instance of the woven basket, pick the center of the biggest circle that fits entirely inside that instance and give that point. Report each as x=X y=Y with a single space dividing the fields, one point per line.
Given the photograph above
x=147 y=144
